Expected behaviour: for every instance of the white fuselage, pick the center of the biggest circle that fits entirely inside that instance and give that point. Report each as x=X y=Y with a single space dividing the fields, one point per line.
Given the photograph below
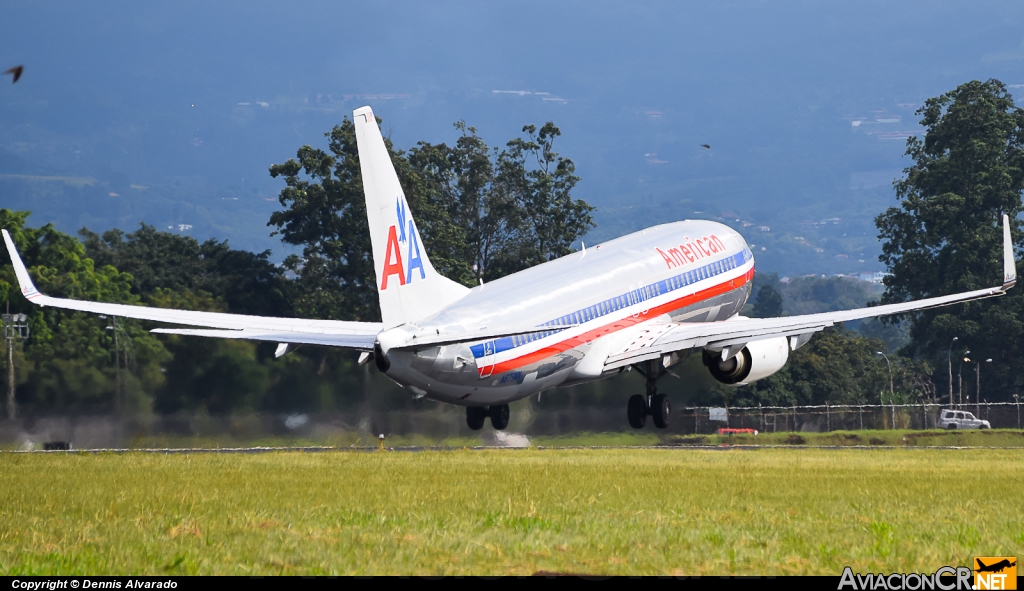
x=596 y=302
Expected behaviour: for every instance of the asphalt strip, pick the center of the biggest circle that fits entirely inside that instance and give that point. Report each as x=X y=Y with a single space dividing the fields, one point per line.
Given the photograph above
x=367 y=449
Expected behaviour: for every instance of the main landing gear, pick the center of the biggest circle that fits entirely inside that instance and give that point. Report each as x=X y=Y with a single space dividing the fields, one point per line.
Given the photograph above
x=653 y=404
x=475 y=416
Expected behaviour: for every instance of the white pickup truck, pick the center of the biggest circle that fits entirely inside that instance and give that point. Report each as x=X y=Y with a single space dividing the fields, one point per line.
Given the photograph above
x=958 y=419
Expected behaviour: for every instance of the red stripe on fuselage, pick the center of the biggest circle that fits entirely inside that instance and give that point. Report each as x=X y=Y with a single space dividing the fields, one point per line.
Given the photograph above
x=623 y=323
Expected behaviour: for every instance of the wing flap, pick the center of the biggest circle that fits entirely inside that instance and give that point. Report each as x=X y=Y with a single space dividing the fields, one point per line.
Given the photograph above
x=736 y=331
x=359 y=342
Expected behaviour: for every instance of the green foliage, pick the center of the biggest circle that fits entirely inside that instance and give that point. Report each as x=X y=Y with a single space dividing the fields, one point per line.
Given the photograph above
x=944 y=237
x=506 y=215
x=248 y=283
x=69 y=359
x=480 y=218
x=768 y=303
x=326 y=215
x=549 y=219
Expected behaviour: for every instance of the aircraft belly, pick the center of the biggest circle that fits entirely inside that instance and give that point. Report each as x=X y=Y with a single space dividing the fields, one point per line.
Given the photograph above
x=443 y=376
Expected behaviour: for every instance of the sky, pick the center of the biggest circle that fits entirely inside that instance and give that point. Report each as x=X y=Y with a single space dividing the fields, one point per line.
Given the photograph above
x=171 y=113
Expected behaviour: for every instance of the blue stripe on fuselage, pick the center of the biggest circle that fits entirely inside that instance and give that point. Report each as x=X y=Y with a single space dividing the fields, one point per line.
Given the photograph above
x=617 y=303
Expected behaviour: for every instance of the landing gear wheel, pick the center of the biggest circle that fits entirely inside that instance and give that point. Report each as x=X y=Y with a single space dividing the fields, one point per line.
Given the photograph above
x=499 y=416
x=661 y=408
x=475 y=416
x=636 y=411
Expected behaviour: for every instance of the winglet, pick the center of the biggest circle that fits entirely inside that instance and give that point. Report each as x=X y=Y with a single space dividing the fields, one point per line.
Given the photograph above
x=28 y=289
x=1009 y=268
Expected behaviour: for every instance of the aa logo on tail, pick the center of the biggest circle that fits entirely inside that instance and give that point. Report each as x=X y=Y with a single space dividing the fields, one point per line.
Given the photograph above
x=402 y=233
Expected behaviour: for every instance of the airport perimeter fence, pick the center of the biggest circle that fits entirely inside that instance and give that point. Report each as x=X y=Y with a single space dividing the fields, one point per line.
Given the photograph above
x=443 y=423
x=821 y=418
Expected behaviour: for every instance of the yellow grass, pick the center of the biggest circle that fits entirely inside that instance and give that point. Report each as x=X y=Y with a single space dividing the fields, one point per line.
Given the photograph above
x=621 y=511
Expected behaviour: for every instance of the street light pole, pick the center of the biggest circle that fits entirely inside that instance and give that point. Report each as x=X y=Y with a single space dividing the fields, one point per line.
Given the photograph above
x=960 y=382
x=15 y=327
x=892 y=395
x=11 y=409
x=977 y=386
x=949 y=362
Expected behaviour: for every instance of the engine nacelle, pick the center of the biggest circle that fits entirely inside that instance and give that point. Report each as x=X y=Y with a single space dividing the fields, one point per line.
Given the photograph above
x=759 y=359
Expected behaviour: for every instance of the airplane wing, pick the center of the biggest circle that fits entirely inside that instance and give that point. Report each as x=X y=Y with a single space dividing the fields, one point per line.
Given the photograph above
x=334 y=333
x=731 y=335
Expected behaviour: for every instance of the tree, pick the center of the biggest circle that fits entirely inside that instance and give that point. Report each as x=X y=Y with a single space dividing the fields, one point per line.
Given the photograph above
x=326 y=215
x=483 y=213
x=70 y=358
x=546 y=218
x=248 y=283
x=945 y=237
x=509 y=214
x=768 y=303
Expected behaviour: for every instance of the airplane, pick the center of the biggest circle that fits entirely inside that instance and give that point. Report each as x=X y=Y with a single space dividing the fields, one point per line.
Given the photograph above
x=643 y=301
x=994 y=568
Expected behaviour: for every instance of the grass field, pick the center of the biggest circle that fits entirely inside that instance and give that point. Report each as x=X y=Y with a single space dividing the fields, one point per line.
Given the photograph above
x=614 y=511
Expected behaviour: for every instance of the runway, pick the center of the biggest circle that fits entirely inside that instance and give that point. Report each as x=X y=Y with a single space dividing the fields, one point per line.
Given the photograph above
x=416 y=448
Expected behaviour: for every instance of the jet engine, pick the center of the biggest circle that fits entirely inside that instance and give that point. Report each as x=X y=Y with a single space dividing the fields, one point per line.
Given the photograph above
x=758 y=359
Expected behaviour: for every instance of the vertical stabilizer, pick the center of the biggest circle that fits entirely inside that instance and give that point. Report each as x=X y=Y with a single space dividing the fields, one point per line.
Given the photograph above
x=407 y=285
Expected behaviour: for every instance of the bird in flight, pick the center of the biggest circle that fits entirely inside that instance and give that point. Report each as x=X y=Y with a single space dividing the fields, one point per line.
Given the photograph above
x=705 y=146
x=16 y=72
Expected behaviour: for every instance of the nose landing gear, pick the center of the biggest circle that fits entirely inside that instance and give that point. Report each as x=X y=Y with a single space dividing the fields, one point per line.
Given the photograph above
x=655 y=405
x=475 y=416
